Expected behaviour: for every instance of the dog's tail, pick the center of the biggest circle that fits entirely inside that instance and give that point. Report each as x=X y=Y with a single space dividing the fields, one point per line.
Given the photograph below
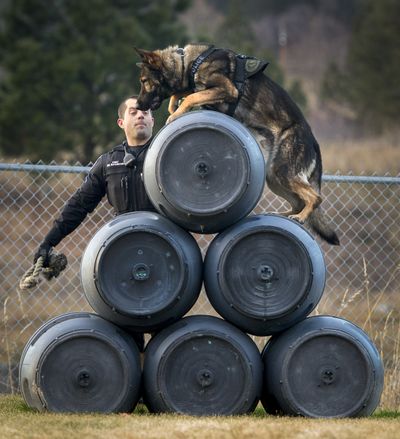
x=319 y=224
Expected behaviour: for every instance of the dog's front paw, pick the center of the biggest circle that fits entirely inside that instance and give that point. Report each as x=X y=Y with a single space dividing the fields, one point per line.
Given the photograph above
x=171 y=118
x=173 y=106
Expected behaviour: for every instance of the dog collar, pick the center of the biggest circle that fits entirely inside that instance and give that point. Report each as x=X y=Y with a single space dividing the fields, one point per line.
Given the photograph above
x=180 y=51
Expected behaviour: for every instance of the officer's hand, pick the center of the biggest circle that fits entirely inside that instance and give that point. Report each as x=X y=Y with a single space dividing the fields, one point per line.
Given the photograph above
x=43 y=250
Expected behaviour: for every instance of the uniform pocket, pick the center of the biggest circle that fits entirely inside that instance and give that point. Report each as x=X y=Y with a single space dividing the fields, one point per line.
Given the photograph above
x=117 y=187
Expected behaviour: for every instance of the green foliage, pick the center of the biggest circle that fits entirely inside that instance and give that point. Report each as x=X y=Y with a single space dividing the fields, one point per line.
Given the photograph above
x=235 y=31
x=343 y=10
x=386 y=414
x=374 y=64
x=333 y=85
x=67 y=65
x=370 y=80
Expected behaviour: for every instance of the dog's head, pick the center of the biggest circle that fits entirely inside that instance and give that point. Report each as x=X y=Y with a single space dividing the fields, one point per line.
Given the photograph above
x=153 y=85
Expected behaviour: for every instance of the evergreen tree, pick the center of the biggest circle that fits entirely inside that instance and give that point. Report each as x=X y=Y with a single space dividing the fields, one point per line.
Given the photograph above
x=370 y=80
x=66 y=66
x=374 y=64
x=236 y=32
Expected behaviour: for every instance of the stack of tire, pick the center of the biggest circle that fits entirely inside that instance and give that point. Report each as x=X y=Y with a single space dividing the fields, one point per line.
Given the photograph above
x=263 y=274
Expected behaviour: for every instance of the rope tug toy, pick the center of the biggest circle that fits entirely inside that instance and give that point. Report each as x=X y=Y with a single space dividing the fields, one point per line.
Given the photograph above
x=57 y=263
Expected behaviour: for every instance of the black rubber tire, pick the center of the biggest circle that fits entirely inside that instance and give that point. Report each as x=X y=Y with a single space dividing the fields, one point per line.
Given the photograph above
x=322 y=367
x=79 y=362
x=264 y=274
x=142 y=271
x=204 y=171
x=202 y=365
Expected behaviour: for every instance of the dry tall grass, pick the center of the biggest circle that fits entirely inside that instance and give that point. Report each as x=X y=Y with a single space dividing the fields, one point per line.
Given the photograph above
x=380 y=156
x=385 y=333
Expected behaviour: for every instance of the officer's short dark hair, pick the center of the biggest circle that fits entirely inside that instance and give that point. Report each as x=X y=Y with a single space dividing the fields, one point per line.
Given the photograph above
x=122 y=106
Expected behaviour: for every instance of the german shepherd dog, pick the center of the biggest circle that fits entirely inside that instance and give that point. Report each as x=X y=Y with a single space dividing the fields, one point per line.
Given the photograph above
x=208 y=76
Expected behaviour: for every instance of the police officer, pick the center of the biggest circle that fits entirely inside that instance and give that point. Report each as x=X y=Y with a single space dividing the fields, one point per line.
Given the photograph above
x=117 y=173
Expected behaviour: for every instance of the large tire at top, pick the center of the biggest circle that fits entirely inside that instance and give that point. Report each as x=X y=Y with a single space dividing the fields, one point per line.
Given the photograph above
x=79 y=362
x=205 y=171
x=322 y=367
x=202 y=365
x=142 y=271
x=264 y=274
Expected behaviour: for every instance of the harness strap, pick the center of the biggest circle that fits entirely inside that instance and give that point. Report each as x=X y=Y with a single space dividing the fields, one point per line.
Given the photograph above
x=196 y=64
x=239 y=79
x=246 y=66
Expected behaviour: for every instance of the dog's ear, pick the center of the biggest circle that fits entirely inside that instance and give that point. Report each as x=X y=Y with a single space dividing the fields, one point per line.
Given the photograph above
x=150 y=58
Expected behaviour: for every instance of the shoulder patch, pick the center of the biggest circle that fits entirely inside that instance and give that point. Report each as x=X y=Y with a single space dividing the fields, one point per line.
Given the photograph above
x=254 y=65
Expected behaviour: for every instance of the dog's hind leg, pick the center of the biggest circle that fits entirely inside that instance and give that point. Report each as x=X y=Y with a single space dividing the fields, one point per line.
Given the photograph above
x=300 y=195
x=308 y=196
x=295 y=187
x=291 y=212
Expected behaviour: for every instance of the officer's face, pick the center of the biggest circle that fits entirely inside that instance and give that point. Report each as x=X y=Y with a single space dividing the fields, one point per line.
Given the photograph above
x=137 y=124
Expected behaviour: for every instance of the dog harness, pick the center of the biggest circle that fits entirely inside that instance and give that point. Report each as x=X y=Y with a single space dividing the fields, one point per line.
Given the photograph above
x=246 y=66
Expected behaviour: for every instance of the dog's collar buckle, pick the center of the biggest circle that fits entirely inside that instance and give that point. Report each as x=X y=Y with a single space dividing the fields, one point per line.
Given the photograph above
x=181 y=51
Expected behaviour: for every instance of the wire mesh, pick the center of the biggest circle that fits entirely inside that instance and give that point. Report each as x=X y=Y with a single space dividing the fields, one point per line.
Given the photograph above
x=362 y=274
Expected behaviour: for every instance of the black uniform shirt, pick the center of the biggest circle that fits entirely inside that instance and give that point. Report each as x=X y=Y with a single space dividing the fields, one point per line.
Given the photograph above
x=109 y=176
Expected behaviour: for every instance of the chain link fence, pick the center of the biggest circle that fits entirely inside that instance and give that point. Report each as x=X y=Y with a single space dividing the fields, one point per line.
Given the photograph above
x=363 y=279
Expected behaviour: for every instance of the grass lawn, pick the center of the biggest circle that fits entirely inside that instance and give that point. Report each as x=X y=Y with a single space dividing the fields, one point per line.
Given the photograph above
x=19 y=421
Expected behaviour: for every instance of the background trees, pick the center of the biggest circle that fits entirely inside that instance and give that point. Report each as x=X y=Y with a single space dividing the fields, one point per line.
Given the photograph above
x=369 y=81
x=66 y=66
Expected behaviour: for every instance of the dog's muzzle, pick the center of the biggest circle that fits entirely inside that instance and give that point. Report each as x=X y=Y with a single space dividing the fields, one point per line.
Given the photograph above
x=152 y=104
x=156 y=103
